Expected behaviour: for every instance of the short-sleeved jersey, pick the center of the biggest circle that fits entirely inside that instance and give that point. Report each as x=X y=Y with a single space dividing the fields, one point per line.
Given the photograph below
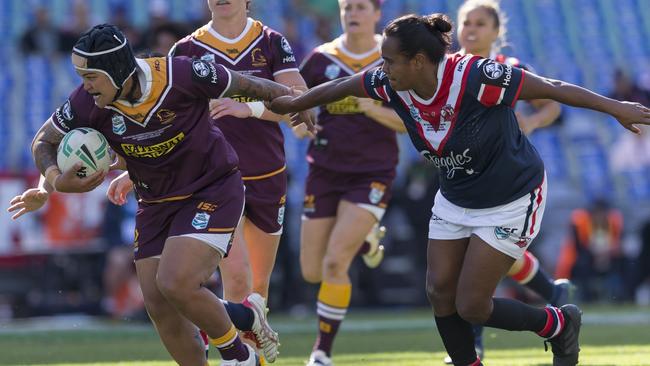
x=349 y=140
x=468 y=129
x=259 y=51
x=171 y=147
x=525 y=108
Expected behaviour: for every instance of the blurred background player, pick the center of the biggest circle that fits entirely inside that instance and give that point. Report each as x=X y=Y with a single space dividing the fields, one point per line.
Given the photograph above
x=352 y=163
x=243 y=44
x=482 y=32
x=593 y=254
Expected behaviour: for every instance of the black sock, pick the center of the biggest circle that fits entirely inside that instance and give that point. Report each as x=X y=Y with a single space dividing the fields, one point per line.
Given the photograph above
x=241 y=316
x=543 y=285
x=458 y=337
x=511 y=314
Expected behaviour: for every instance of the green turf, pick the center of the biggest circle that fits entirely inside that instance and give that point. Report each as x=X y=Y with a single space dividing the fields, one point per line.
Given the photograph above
x=391 y=344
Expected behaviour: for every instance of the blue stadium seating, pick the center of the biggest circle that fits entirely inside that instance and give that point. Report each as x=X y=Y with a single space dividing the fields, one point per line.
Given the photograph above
x=581 y=41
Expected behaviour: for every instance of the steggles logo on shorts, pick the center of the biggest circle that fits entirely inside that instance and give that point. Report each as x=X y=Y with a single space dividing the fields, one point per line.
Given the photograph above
x=200 y=221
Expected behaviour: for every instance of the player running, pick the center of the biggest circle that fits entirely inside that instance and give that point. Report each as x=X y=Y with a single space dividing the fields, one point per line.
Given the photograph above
x=481 y=31
x=246 y=45
x=154 y=113
x=458 y=111
x=352 y=163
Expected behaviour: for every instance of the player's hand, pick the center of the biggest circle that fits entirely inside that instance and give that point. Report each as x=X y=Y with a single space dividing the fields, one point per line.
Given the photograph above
x=301 y=131
x=70 y=182
x=283 y=105
x=119 y=189
x=629 y=113
x=306 y=118
x=228 y=107
x=31 y=200
x=526 y=124
x=366 y=105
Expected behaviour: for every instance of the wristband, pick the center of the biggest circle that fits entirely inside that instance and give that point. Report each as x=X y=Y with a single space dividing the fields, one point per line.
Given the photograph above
x=257 y=109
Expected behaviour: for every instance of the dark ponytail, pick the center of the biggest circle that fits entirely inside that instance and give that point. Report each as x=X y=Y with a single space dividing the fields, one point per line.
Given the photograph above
x=430 y=34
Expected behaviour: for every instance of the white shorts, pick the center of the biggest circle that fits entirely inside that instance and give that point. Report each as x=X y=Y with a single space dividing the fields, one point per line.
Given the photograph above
x=508 y=228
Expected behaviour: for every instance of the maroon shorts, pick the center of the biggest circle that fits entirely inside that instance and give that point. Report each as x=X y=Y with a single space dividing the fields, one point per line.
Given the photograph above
x=211 y=214
x=265 y=199
x=326 y=188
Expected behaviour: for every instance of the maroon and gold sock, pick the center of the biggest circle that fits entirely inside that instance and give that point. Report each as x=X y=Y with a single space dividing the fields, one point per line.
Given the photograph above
x=230 y=346
x=333 y=302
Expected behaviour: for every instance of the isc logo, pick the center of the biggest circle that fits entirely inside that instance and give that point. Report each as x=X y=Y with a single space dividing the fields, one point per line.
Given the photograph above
x=504 y=232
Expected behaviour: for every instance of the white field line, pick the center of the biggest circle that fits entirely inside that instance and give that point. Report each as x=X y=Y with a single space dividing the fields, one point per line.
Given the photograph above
x=87 y=323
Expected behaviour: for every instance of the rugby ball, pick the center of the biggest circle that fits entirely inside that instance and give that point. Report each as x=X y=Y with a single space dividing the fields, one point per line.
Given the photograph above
x=87 y=146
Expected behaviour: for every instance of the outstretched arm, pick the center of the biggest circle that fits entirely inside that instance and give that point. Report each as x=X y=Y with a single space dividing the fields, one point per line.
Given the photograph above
x=628 y=114
x=267 y=90
x=322 y=94
x=30 y=200
x=232 y=107
x=252 y=86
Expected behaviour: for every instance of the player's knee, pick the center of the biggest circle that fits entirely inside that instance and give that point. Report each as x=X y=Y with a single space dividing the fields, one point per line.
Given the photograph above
x=155 y=308
x=333 y=266
x=472 y=309
x=172 y=286
x=311 y=274
x=440 y=293
x=311 y=267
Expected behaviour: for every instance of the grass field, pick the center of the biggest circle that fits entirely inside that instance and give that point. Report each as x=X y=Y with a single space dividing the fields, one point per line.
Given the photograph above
x=382 y=339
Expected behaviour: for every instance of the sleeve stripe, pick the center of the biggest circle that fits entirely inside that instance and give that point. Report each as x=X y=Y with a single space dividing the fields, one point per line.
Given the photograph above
x=229 y=82
x=382 y=93
x=490 y=95
x=503 y=92
x=480 y=92
x=56 y=125
x=521 y=83
x=286 y=70
x=363 y=84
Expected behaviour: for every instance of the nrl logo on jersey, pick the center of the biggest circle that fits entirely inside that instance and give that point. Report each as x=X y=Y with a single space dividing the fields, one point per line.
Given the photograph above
x=200 y=221
x=415 y=113
x=285 y=46
x=493 y=70
x=67 y=111
x=119 y=127
x=332 y=71
x=209 y=57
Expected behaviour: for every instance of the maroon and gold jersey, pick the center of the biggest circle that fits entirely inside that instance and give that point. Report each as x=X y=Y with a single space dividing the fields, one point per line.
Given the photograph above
x=259 y=51
x=349 y=141
x=171 y=147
